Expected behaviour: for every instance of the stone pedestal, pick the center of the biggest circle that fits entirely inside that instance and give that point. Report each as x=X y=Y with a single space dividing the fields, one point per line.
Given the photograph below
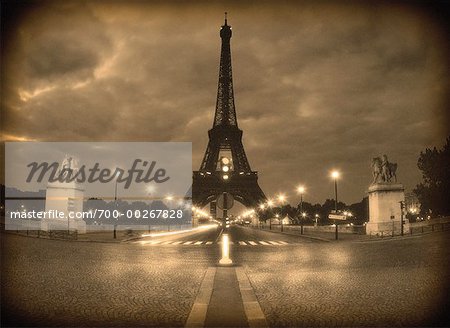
x=64 y=198
x=385 y=212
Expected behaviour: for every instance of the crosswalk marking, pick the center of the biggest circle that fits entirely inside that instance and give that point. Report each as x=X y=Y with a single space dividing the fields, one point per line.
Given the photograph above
x=204 y=242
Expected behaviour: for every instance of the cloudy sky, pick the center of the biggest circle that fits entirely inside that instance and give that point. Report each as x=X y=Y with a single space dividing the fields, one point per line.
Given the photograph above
x=318 y=85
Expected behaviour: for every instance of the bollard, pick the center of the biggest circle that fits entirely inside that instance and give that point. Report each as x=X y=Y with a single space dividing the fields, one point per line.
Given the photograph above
x=225 y=260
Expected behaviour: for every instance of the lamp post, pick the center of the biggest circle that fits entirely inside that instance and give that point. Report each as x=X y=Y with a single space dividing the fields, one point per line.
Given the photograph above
x=269 y=204
x=335 y=175
x=301 y=190
x=150 y=190
x=169 y=199
x=115 y=206
x=281 y=199
x=262 y=207
x=303 y=219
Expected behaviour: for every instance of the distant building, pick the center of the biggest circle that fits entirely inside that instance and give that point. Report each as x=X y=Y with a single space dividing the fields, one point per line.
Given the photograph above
x=286 y=220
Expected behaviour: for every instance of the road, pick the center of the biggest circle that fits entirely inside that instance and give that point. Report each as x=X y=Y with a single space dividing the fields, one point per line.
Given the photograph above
x=275 y=280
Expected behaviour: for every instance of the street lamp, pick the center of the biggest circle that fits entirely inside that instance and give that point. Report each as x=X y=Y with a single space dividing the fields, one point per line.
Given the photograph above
x=115 y=205
x=281 y=199
x=270 y=204
x=301 y=190
x=335 y=175
x=169 y=199
x=302 y=221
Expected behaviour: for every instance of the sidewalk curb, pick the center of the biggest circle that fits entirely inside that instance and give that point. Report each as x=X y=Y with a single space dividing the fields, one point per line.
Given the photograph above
x=252 y=308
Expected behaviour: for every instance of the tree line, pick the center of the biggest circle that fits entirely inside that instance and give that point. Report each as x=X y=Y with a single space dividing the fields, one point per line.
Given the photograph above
x=433 y=192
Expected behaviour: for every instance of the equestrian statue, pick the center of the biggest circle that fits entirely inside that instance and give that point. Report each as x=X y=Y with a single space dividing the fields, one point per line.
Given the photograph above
x=383 y=170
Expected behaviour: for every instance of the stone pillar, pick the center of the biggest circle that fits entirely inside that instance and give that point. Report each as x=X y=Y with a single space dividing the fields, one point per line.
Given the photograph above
x=384 y=209
x=64 y=198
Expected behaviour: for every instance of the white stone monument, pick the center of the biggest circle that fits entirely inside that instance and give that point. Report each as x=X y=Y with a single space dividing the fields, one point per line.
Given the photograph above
x=65 y=198
x=385 y=197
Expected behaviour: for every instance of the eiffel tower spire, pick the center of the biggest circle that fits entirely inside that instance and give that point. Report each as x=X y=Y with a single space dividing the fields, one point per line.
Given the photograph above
x=225 y=110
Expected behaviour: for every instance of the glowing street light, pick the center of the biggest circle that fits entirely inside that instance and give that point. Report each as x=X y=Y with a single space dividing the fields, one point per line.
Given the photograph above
x=301 y=191
x=281 y=198
x=335 y=175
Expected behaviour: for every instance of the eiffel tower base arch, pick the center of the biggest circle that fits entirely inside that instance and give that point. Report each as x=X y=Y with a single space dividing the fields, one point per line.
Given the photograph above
x=244 y=188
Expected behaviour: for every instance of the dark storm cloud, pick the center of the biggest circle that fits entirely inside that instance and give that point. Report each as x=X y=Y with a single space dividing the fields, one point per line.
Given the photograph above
x=317 y=86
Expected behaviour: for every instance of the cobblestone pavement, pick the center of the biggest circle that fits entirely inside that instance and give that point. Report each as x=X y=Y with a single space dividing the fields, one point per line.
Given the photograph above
x=63 y=283
x=301 y=283
x=380 y=283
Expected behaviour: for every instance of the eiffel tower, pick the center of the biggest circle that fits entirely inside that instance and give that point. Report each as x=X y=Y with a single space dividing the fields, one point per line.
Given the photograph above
x=225 y=144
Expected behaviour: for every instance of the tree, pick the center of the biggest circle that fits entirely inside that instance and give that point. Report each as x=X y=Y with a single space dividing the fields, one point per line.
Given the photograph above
x=360 y=211
x=433 y=193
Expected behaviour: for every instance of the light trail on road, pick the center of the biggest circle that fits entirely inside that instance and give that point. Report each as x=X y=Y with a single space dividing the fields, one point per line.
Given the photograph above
x=168 y=233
